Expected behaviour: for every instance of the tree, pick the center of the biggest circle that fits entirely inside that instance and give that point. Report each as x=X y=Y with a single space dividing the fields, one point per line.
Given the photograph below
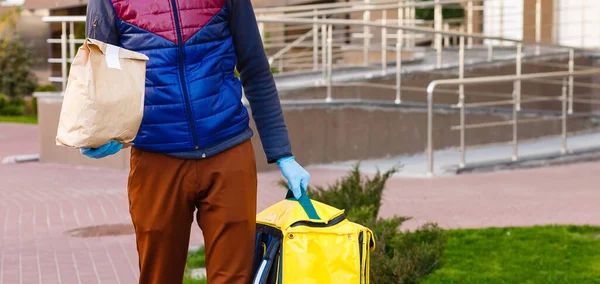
x=16 y=60
x=449 y=11
x=8 y=23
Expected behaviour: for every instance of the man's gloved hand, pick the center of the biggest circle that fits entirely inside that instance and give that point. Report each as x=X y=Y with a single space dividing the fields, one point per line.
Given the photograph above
x=107 y=149
x=296 y=175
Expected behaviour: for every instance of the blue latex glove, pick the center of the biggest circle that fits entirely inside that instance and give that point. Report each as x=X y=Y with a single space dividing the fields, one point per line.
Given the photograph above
x=107 y=149
x=296 y=175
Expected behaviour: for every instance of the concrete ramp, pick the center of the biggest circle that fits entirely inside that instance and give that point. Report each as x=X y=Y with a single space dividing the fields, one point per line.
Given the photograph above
x=540 y=152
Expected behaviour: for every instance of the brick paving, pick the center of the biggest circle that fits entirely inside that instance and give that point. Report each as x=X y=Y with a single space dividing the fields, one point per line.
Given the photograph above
x=18 y=139
x=39 y=203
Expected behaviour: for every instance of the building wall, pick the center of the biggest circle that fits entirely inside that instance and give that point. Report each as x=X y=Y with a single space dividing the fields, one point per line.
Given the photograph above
x=548 y=21
x=579 y=23
x=565 y=22
x=503 y=19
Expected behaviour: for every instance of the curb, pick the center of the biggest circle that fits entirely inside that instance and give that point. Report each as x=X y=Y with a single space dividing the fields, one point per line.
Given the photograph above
x=17 y=159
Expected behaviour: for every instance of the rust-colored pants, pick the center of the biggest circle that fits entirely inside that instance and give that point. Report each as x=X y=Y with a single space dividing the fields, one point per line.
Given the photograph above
x=164 y=192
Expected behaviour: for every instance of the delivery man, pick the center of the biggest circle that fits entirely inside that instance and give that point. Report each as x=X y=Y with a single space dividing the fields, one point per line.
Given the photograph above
x=193 y=149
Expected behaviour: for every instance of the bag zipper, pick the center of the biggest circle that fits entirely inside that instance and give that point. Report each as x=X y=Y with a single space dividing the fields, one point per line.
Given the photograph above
x=181 y=48
x=331 y=223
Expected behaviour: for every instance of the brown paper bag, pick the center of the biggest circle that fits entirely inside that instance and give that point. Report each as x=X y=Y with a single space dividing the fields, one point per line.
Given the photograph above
x=104 y=98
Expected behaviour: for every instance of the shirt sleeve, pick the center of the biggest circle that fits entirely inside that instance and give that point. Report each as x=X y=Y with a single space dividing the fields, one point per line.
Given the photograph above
x=257 y=80
x=101 y=22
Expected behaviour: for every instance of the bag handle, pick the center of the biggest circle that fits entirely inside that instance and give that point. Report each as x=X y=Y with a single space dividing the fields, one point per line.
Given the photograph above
x=306 y=204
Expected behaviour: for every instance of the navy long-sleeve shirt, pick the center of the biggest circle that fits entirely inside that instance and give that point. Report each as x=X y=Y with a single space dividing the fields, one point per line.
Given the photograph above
x=252 y=64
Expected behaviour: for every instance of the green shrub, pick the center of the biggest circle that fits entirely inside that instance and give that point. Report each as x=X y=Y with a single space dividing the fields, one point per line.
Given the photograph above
x=409 y=256
x=399 y=257
x=46 y=88
x=16 y=61
x=353 y=192
x=3 y=101
x=17 y=102
x=12 y=110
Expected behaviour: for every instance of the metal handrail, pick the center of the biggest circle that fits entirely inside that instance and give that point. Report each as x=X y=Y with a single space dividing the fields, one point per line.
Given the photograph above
x=565 y=98
x=312 y=7
x=276 y=20
x=373 y=7
x=60 y=19
x=505 y=78
x=308 y=7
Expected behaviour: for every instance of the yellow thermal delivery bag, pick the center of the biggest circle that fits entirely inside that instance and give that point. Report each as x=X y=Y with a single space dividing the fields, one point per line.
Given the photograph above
x=305 y=241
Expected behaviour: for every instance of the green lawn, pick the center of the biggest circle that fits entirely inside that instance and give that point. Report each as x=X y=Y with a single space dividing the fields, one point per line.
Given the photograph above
x=196 y=259
x=19 y=119
x=548 y=254
x=541 y=254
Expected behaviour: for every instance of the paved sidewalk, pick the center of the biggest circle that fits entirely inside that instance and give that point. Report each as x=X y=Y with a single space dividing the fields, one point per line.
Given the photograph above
x=18 y=139
x=39 y=203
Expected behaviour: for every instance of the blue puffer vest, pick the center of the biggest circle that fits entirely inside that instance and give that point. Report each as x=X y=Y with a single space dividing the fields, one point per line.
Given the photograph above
x=193 y=100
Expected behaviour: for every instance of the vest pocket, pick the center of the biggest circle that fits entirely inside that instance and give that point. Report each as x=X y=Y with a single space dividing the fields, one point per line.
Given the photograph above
x=235 y=86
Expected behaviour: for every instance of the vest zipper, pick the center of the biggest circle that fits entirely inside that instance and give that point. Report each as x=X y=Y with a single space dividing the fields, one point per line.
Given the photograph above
x=181 y=47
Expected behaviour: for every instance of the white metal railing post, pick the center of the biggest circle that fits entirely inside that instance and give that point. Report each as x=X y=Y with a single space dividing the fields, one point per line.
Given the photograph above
x=517 y=103
x=400 y=41
x=538 y=25
x=366 y=34
x=501 y=32
x=461 y=101
x=563 y=98
x=401 y=11
x=281 y=64
x=71 y=40
x=515 y=124
x=490 y=53
x=329 y=63
x=519 y=64
x=410 y=18
x=446 y=37
x=63 y=55
x=582 y=23
x=413 y=13
x=315 y=37
x=261 y=30
x=438 y=36
x=384 y=36
x=407 y=20
x=571 y=79
x=470 y=23
x=430 y=130
x=324 y=48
